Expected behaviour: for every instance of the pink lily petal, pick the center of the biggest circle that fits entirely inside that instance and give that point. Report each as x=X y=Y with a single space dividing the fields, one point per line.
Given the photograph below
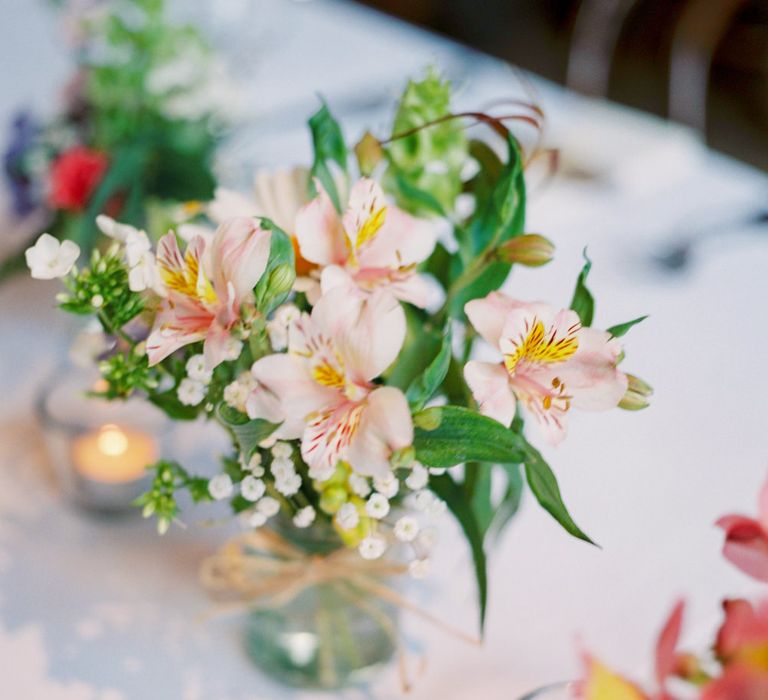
x=329 y=433
x=319 y=231
x=746 y=545
x=239 y=255
x=180 y=322
x=762 y=506
x=489 y=315
x=403 y=240
x=489 y=384
x=738 y=683
x=385 y=426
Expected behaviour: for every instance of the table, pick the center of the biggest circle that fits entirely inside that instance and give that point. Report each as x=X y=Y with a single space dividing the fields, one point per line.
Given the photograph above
x=105 y=610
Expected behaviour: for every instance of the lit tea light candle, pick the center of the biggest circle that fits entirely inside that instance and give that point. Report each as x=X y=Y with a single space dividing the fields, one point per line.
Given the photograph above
x=113 y=454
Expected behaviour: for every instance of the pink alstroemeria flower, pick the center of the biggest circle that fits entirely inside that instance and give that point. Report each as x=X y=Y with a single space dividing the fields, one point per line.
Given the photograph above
x=207 y=288
x=321 y=390
x=746 y=539
x=550 y=363
x=373 y=245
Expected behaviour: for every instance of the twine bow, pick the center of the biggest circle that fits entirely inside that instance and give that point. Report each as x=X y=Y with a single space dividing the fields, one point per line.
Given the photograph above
x=261 y=569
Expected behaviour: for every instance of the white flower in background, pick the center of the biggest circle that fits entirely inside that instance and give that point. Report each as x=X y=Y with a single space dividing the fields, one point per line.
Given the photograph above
x=387 y=486
x=253 y=465
x=254 y=518
x=437 y=471
x=197 y=370
x=418 y=477
x=232 y=349
x=269 y=506
x=305 y=517
x=377 y=506
x=419 y=568
x=289 y=484
x=423 y=500
x=278 y=326
x=372 y=547
x=281 y=450
x=143 y=272
x=236 y=393
x=49 y=259
x=321 y=472
x=97 y=301
x=347 y=517
x=437 y=507
x=252 y=488
x=282 y=468
x=190 y=392
x=406 y=529
x=359 y=485
x=220 y=487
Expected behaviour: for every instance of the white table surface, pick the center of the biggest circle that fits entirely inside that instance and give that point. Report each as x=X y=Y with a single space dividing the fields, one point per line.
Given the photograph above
x=105 y=610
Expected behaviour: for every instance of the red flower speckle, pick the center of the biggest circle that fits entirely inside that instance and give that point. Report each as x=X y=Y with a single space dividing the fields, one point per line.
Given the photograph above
x=75 y=175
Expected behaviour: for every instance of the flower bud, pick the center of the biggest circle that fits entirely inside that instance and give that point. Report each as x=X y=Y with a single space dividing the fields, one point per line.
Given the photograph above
x=530 y=249
x=636 y=396
x=403 y=457
x=369 y=153
x=332 y=499
x=280 y=280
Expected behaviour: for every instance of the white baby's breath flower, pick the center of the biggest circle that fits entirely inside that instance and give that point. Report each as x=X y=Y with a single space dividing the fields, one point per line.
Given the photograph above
x=422 y=500
x=282 y=468
x=387 y=486
x=427 y=538
x=406 y=529
x=437 y=507
x=253 y=465
x=289 y=484
x=347 y=517
x=97 y=301
x=269 y=506
x=220 y=487
x=418 y=477
x=419 y=568
x=372 y=547
x=190 y=392
x=359 y=485
x=278 y=326
x=236 y=393
x=232 y=349
x=287 y=314
x=282 y=450
x=49 y=259
x=253 y=518
x=321 y=473
x=305 y=517
x=377 y=506
x=252 y=488
x=197 y=370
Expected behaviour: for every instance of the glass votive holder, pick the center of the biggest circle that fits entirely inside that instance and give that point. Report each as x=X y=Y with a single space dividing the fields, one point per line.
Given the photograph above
x=99 y=450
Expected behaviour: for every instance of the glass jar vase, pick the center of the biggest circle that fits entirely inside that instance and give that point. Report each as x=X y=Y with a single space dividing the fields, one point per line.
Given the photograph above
x=329 y=635
x=554 y=691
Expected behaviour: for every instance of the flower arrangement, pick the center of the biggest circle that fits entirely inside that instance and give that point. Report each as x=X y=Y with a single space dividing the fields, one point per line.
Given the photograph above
x=136 y=133
x=328 y=325
x=737 y=668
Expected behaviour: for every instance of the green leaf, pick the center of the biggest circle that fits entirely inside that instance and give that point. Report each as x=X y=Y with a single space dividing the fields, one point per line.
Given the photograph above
x=481 y=494
x=425 y=385
x=422 y=342
x=620 y=329
x=275 y=284
x=583 y=303
x=500 y=217
x=453 y=495
x=248 y=433
x=168 y=402
x=543 y=484
x=329 y=147
x=450 y=435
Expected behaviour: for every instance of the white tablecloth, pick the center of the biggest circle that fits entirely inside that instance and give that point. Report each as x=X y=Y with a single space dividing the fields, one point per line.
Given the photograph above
x=98 y=609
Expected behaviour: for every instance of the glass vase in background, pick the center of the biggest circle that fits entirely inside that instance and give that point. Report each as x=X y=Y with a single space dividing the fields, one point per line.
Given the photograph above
x=331 y=634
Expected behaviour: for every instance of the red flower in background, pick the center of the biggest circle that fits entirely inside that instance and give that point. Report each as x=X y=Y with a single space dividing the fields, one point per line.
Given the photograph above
x=75 y=175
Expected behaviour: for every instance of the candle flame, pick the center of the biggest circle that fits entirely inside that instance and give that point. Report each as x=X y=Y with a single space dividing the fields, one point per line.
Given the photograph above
x=112 y=441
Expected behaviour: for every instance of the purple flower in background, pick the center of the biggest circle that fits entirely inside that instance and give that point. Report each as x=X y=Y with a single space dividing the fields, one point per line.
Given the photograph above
x=22 y=137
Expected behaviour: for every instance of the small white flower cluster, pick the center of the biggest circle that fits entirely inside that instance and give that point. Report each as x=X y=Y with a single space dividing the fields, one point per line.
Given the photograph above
x=287 y=481
x=278 y=326
x=236 y=393
x=193 y=388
